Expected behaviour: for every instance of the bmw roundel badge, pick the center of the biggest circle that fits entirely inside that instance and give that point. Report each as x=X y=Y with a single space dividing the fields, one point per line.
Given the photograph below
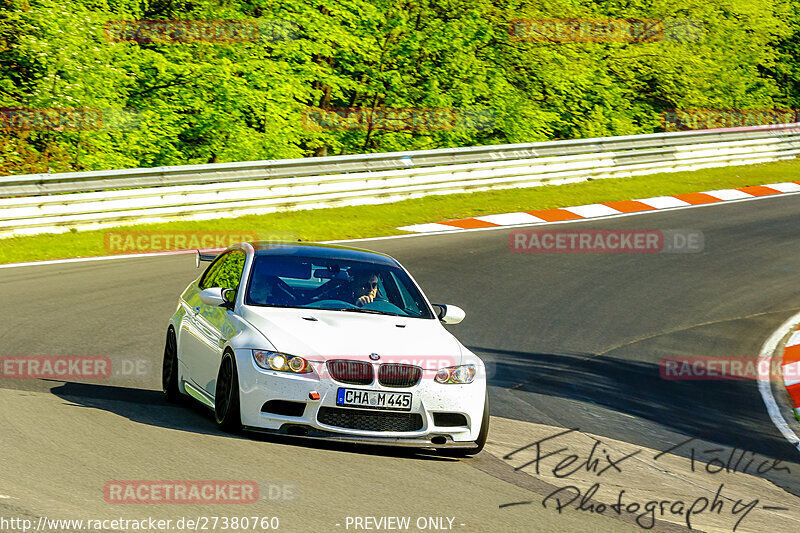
x=374 y=356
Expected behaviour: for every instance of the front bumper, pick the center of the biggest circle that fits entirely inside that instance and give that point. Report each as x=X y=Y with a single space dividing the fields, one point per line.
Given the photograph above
x=432 y=441
x=258 y=386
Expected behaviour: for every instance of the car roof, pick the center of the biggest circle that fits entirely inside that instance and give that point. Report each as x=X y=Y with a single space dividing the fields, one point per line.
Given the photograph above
x=322 y=251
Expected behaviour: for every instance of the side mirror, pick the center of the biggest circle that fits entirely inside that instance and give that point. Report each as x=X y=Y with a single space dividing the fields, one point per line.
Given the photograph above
x=449 y=314
x=229 y=295
x=218 y=297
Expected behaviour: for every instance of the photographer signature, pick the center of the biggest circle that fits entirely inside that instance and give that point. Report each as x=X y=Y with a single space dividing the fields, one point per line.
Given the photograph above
x=600 y=460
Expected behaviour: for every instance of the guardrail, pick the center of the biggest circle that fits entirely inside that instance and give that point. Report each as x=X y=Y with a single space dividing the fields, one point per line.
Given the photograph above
x=92 y=200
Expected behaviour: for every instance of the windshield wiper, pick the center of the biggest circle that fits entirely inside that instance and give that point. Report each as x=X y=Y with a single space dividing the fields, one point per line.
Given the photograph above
x=360 y=310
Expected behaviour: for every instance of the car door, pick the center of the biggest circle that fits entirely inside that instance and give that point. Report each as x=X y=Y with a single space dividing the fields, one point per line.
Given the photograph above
x=191 y=340
x=213 y=326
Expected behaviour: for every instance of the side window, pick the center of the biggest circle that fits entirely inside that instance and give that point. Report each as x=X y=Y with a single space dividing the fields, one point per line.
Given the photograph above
x=230 y=272
x=211 y=272
x=225 y=272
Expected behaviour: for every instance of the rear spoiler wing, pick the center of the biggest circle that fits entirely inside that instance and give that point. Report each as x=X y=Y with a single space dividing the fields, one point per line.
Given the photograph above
x=201 y=257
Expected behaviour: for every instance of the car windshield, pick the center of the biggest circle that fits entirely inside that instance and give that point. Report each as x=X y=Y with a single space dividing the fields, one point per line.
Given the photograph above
x=334 y=284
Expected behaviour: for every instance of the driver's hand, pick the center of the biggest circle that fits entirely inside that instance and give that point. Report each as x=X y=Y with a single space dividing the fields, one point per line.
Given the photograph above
x=364 y=300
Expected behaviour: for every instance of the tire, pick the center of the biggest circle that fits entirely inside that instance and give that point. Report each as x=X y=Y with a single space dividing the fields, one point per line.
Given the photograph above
x=226 y=399
x=169 y=368
x=480 y=442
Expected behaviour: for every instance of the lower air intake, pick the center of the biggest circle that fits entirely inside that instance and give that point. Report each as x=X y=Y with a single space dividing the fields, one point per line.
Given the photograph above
x=369 y=420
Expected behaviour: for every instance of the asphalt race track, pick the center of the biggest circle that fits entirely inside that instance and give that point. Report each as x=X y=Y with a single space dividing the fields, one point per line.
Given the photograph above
x=571 y=341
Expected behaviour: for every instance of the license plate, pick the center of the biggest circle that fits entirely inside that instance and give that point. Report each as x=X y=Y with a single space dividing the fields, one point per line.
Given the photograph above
x=368 y=399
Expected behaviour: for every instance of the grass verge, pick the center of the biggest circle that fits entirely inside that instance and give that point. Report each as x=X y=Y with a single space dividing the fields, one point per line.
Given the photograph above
x=381 y=220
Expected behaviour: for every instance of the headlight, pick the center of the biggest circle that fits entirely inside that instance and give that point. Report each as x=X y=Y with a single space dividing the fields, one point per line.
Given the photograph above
x=281 y=362
x=456 y=374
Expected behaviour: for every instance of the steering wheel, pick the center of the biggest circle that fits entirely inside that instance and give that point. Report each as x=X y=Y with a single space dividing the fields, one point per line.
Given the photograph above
x=283 y=287
x=324 y=290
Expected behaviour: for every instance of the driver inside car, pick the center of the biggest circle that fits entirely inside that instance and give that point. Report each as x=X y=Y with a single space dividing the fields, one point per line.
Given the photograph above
x=365 y=288
x=265 y=290
x=261 y=289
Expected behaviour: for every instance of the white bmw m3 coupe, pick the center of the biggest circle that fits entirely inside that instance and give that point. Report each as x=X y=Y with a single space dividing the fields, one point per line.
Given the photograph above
x=323 y=341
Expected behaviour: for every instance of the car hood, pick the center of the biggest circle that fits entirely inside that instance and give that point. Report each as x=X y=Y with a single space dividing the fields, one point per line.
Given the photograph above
x=337 y=334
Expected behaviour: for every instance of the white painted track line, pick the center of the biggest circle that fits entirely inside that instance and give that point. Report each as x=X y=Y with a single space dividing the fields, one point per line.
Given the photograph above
x=592 y=210
x=784 y=187
x=507 y=219
x=729 y=194
x=664 y=202
x=428 y=228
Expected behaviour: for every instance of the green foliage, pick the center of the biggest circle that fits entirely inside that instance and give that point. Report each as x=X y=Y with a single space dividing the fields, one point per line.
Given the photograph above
x=199 y=102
